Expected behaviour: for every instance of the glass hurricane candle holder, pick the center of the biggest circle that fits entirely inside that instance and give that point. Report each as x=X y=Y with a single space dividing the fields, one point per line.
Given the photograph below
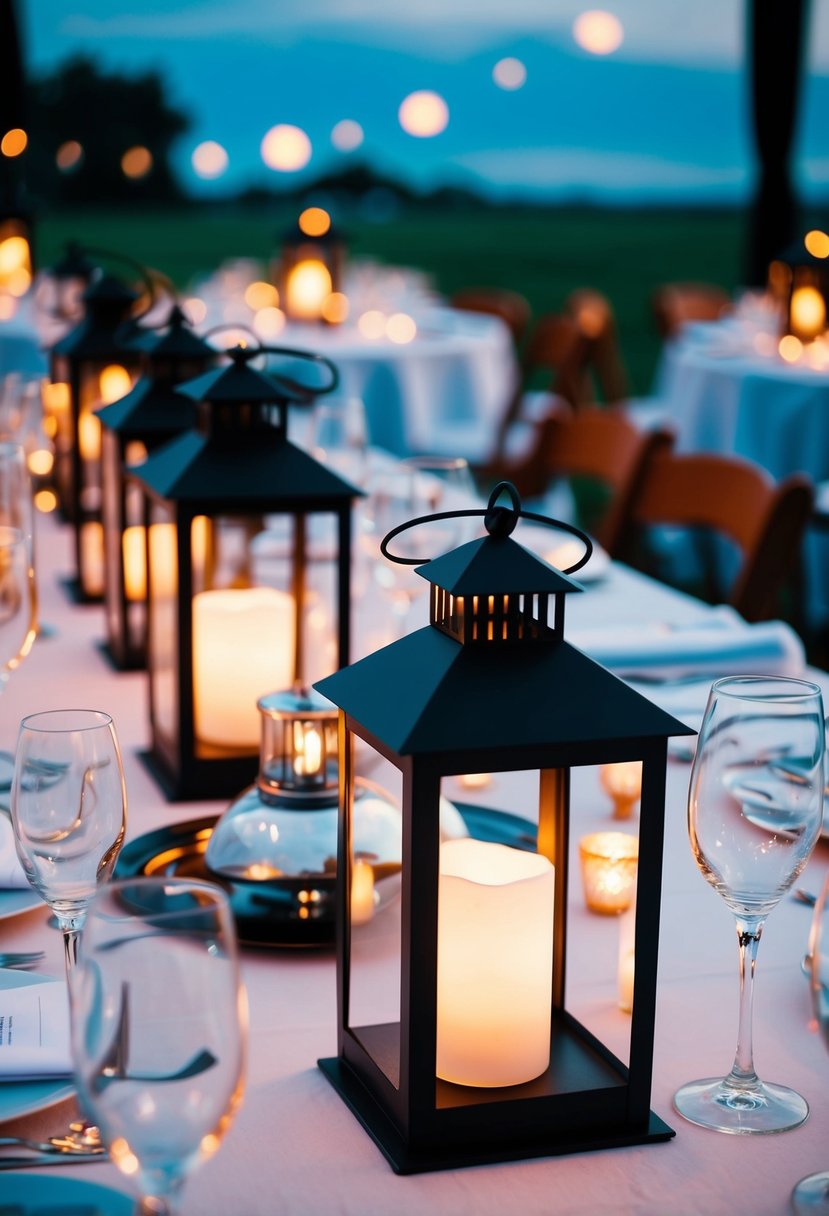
x=608 y=869
x=623 y=782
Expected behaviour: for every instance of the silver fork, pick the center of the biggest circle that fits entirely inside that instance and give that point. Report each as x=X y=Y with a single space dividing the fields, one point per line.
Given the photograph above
x=21 y=959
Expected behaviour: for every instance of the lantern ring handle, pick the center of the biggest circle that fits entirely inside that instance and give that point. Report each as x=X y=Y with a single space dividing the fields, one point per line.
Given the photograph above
x=310 y=357
x=150 y=277
x=499 y=522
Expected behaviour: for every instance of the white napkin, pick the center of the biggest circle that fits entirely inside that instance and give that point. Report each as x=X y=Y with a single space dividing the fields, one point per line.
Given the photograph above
x=11 y=871
x=724 y=646
x=34 y=1032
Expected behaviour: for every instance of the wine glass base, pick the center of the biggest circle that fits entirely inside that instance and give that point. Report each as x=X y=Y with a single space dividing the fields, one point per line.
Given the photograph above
x=758 y=1109
x=811 y=1195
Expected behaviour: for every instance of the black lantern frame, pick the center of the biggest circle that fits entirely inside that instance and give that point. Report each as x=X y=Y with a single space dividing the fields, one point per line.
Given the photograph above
x=237 y=465
x=800 y=280
x=491 y=683
x=105 y=338
x=148 y=416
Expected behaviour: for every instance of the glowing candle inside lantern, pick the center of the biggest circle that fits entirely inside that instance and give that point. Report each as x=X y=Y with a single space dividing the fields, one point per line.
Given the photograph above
x=495 y=963
x=362 y=892
x=243 y=646
x=162 y=559
x=308 y=747
x=89 y=437
x=114 y=382
x=92 y=558
x=627 y=957
x=807 y=313
x=307 y=288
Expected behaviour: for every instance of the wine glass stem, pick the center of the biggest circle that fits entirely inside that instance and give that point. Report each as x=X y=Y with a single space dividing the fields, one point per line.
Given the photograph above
x=71 y=937
x=748 y=937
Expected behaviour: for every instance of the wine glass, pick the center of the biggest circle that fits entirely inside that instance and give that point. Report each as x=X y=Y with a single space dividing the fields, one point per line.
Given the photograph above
x=339 y=437
x=159 y=1027
x=69 y=807
x=754 y=814
x=423 y=485
x=811 y=1195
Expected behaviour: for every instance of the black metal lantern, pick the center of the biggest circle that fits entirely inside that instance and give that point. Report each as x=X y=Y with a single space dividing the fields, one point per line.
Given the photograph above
x=310 y=270
x=799 y=279
x=234 y=607
x=60 y=294
x=99 y=361
x=149 y=415
x=483 y=1061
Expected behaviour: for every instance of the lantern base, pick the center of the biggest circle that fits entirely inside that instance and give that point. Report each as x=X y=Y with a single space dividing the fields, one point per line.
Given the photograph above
x=407 y=1160
x=76 y=593
x=127 y=660
x=201 y=779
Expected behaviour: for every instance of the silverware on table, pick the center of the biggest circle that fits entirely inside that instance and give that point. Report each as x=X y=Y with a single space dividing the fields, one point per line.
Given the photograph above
x=20 y=959
x=33 y=1160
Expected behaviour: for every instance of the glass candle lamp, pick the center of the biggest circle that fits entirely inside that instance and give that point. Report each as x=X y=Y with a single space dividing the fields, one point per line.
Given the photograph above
x=623 y=782
x=608 y=868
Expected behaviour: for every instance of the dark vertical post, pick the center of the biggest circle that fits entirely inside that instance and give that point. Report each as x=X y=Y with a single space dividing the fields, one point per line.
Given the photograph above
x=774 y=52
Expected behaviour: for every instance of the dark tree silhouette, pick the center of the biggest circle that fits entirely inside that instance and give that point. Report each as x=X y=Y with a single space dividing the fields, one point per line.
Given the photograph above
x=107 y=114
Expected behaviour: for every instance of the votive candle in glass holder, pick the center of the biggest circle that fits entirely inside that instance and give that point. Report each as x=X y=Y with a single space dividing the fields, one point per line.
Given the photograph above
x=608 y=869
x=623 y=782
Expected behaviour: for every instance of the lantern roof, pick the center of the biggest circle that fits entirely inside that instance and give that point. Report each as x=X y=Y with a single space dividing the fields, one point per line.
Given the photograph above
x=178 y=340
x=72 y=264
x=424 y=695
x=102 y=332
x=495 y=565
x=237 y=382
x=264 y=469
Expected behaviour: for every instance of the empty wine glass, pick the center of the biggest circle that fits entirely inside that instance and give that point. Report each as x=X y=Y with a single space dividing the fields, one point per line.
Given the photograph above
x=419 y=486
x=811 y=1195
x=754 y=814
x=159 y=1026
x=69 y=807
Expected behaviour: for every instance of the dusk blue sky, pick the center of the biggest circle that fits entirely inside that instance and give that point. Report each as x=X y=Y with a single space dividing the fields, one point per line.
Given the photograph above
x=664 y=116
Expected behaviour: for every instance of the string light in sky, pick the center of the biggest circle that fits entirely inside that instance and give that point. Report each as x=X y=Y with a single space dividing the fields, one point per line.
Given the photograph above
x=423 y=114
x=209 y=160
x=599 y=32
x=347 y=135
x=509 y=74
x=286 y=148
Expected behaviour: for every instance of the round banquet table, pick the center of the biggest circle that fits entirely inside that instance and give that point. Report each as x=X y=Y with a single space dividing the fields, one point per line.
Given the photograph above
x=296 y=1150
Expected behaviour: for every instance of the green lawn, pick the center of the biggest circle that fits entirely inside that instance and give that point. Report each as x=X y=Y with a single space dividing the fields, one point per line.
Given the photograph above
x=542 y=253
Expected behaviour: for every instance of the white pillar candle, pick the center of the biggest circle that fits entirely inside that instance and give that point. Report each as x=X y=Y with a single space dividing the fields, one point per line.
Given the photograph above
x=243 y=647
x=495 y=964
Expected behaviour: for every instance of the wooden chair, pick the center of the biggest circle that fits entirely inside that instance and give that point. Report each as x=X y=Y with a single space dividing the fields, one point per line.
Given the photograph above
x=599 y=445
x=675 y=304
x=594 y=316
x=735 y=499
x=510 y=306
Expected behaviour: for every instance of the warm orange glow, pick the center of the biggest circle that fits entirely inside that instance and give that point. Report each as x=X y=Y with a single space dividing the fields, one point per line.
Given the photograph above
x=14 y=142
x=598 y=32
x=268 y=322
x=123 y=1156
x=817 y=243
x=196 y=309
x=423 y=114
x=45 y=501
x=372 y=324
x=335 y=308
x=89 y=437
x=14 y=255
x=307 y=749
x=8 y=307
x=18 y=282
x=115 y=381
x=135 y=452
x=209 y=160
x=261 y=295
x=40 y=462
x=400 y=328
x=509 y=74
x=56 y=397
x=286 y=148
x=68 y=155
x=764 y=344
x=308 y=285
x=807 y=312
x=314 y=221
x=790 y=348
x=136 y=162
x=347 y=135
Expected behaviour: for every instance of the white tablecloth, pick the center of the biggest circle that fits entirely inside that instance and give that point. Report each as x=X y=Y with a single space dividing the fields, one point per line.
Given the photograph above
x=296 y=1150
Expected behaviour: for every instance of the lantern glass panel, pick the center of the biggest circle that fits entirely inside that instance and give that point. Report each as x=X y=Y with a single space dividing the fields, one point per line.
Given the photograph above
x=113 y=523
x=162 y=640
x=374 y=941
